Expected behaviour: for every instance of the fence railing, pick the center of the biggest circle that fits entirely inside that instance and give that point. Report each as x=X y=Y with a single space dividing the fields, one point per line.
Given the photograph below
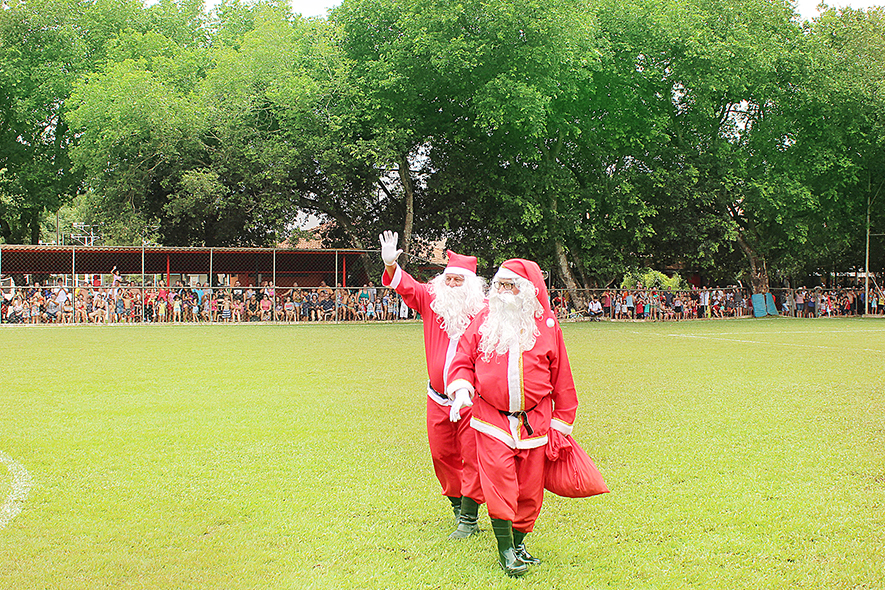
x=70 y=284
x=199 y=304
x=712 y=303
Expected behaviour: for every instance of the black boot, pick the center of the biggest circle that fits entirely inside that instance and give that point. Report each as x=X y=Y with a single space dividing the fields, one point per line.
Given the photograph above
x=456 y=507
x=468 y=524
x=521 y=551
x=512 y=565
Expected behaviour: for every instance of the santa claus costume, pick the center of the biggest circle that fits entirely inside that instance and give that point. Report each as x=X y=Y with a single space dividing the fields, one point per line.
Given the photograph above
x=511 y=363
x=446 y=304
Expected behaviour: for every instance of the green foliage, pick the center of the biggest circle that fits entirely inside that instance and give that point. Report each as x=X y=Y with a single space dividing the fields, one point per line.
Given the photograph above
x=653 y=279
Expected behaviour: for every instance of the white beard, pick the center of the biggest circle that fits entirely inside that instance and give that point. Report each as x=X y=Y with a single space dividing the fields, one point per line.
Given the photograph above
x=511 y=321
x=456 y=306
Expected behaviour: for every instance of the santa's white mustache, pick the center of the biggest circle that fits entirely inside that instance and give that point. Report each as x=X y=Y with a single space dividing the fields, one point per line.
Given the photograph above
x=507 y=299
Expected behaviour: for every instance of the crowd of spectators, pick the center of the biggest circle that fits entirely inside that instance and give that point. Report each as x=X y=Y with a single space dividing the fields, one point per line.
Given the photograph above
x=120 y=302
x=664 y=305
x=124 y=303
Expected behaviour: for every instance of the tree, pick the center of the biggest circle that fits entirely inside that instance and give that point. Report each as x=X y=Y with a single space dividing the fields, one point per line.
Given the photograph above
x=840 y=134
x=722 y=74
x=44 y=47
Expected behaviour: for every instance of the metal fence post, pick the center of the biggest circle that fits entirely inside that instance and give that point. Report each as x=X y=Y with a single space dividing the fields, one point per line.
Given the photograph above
x=273 y=287
x=337 y=286
x=142 y=281
x=73 y=289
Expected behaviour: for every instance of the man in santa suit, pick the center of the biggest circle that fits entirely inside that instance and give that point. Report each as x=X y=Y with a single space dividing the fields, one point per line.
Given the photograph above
x=446 y=304
x=512 y=367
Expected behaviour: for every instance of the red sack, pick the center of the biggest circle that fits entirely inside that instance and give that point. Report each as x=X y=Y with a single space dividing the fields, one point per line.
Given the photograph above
x=569 y=471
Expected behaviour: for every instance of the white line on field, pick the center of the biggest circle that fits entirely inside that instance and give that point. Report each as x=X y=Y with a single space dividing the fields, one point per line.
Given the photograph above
x=21 y=486
x=793 y=344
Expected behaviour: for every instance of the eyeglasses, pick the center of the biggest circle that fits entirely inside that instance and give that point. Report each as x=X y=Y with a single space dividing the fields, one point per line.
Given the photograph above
x=506 y=285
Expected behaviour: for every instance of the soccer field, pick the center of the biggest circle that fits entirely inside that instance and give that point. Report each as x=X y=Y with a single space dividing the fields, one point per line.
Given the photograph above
x=740 y=454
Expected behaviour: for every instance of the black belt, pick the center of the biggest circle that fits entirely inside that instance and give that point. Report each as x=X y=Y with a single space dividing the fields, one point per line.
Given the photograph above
x=524 y=414
x=441 y=396
x=525 y=418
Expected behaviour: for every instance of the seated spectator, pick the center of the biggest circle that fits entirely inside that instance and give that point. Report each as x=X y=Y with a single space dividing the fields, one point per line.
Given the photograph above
x=52 y=312
x=594 y=309
x=289 y=309
x=252 y=312
x=15 y=312
x=67 y=312
x=327 y=308
x=266 y=307
x=81 y=316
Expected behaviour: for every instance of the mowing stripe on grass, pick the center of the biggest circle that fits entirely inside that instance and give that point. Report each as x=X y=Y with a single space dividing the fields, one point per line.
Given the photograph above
x=21 y=485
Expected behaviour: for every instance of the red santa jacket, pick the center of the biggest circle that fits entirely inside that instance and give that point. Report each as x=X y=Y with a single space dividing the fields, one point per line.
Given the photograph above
x=517 y=392
x=439 y=349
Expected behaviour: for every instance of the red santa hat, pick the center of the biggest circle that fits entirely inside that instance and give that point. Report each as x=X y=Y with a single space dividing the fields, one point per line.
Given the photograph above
x=526 y=269
x=460 y=264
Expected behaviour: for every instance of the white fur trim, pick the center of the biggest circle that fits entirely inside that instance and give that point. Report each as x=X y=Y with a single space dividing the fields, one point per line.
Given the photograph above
x=532 y=443
x=493 y=431
x=561 y=426
x=457 y=270
x=433 y=395
x=397 y=277
x=514 y=378
x=506 y=438
x=459 y=384
x=506 y=273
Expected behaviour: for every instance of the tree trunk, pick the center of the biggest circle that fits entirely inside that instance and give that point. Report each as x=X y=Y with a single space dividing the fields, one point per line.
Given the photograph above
x=565 y=270
x=758 y=269
x=405 y=177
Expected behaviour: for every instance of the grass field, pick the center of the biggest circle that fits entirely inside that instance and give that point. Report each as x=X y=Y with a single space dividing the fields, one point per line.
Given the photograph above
x=740 y=454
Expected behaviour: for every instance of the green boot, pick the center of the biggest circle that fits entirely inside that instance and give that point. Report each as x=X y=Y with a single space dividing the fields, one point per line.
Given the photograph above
x=468 y=524
x=521 y=551
x=512 y=565
x=456 y=507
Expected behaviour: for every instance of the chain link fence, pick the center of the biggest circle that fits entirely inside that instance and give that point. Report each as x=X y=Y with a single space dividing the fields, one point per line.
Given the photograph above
x=92 y=285
x=712 y=303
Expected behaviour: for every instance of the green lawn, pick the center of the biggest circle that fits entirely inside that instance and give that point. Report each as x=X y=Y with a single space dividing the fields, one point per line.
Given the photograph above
x=740 y=454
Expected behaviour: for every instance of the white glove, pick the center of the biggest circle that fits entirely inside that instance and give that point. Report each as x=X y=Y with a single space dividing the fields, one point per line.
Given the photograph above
x=462 y=400
x=389 y=253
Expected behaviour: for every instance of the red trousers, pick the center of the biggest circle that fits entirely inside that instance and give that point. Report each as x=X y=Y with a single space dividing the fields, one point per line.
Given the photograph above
x=453 y=450
x=512 y=481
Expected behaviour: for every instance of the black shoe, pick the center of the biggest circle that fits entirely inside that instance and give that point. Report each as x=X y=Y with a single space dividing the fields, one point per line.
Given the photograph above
x=525 y=556
x=468 y=522
x=466 y=527
x=512 y=565
x=521 y=551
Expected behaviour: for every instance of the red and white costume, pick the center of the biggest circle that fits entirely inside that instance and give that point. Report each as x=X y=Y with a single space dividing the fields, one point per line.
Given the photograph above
x=518 y=397
x=452 y=444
